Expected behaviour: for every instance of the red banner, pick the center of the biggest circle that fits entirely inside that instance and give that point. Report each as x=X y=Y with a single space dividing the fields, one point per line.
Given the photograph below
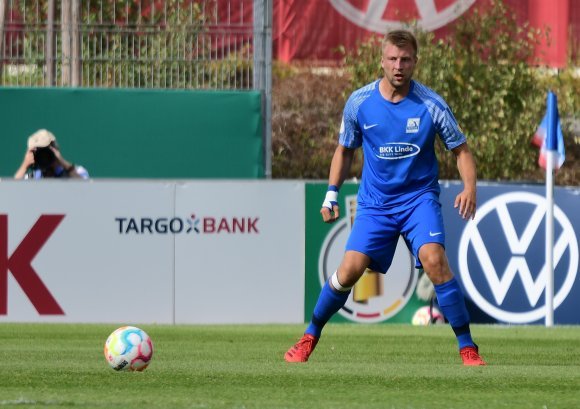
x=314 y=29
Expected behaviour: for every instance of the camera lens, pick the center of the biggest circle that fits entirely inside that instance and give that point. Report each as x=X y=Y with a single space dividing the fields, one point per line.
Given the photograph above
x=43 y=158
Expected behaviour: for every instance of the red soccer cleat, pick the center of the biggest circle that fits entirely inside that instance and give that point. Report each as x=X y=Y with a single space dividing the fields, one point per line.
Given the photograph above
x=470 y=356
x=302 y=349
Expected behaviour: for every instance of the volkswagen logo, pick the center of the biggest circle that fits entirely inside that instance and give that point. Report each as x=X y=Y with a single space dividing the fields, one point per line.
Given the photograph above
x=508 y=284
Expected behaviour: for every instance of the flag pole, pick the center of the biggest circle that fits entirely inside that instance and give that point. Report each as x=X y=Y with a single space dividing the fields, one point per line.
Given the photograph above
x=551 y=148
x=550 y=140
x=550 y=238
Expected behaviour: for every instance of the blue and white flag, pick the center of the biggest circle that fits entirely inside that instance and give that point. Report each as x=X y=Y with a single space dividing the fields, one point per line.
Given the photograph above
x=548 y=136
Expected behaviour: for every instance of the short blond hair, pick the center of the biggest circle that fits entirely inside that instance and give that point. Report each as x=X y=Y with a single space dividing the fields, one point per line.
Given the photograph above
x=401 y=38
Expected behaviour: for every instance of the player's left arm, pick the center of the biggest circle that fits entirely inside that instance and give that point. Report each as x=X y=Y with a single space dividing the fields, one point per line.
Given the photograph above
x=466 y=200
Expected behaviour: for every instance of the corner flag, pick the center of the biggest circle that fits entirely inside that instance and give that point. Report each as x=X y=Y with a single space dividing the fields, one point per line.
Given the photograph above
x=551 y=141
x=548 y=136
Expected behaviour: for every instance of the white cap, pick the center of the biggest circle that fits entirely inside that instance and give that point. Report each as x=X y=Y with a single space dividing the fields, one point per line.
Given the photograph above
x=40 y=139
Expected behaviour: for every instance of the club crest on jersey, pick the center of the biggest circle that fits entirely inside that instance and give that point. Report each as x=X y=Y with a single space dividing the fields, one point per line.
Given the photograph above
x=413 y=125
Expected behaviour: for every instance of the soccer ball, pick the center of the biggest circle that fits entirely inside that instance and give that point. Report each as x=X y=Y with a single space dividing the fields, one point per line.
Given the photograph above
x=423 y=316
x=128 y=349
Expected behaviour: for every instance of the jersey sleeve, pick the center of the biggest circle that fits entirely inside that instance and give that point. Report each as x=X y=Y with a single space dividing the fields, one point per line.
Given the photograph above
x=444 y=120
x=350 y=135
x=448 y=129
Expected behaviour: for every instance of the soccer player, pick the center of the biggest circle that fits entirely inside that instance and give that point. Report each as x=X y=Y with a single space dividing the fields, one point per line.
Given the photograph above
x=395 y=120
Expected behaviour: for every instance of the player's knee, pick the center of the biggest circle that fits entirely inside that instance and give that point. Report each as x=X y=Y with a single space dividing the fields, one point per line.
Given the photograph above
x=337 y=285
x=352 y=268
x=348 y=277
x=436 y=266
x=433 y=263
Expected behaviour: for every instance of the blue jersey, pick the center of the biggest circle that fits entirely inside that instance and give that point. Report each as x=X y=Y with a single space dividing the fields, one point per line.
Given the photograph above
x=398 y=142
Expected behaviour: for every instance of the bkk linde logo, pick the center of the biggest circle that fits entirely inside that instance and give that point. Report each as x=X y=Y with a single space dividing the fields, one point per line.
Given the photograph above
x=508 y=284
x=19 y=263
x=193 y=224
x=429 y=14
x=396 y=150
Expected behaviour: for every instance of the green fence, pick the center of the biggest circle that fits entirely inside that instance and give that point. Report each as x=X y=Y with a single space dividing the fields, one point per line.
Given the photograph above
x=139 y=133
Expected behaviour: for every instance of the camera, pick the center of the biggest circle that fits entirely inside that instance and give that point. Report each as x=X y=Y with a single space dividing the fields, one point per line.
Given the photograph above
x=43 y=158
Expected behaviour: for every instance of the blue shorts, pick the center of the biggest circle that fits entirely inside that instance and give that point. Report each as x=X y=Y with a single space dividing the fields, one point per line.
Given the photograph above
x=377 y=235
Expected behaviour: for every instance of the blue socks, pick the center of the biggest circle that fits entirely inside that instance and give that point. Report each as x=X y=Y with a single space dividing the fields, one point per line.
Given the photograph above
x=449 y=297
x=329 y=302
x=452 y=304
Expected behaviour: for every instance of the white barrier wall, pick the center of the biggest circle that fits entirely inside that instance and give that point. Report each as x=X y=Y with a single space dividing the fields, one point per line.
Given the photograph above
x=152 y=251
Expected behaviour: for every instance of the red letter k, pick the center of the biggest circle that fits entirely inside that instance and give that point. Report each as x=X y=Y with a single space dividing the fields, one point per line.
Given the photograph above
x=20 y=261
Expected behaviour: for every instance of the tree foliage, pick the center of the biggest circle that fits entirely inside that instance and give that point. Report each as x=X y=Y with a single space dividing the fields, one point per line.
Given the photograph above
x=306 y=111
x=485 y=70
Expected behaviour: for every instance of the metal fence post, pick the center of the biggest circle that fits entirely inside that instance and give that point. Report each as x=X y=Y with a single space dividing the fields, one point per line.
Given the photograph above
x=50 y=46
x=70 y=43
x=2 y=16
x=262 y=78
x=65 y=42
x=75 y=43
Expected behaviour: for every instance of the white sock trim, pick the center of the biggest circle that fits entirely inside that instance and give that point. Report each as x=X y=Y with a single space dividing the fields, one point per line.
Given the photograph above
x=336 y=284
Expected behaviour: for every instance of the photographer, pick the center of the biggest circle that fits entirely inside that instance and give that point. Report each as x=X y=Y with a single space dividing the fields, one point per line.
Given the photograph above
x=44 y=160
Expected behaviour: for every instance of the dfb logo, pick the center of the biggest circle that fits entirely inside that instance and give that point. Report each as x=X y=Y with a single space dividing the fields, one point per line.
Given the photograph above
x=19 y=264
x=368 y=302
x=506 y=241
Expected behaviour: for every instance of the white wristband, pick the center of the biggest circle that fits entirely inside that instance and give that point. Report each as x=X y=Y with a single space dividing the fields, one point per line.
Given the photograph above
x=331 y=199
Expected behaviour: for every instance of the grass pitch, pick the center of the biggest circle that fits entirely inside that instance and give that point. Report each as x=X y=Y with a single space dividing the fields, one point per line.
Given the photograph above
x=242 y=367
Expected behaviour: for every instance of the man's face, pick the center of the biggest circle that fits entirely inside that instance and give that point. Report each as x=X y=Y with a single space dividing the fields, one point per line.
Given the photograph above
x=398 y=64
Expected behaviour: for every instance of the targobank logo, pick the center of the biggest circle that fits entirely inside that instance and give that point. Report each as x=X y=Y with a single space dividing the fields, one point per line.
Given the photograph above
x=508 y=284
x=188 y=225
x=397 y=150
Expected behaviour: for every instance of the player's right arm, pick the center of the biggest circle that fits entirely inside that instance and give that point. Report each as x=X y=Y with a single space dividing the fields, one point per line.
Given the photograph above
x=349 y=139
x=339 y=169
